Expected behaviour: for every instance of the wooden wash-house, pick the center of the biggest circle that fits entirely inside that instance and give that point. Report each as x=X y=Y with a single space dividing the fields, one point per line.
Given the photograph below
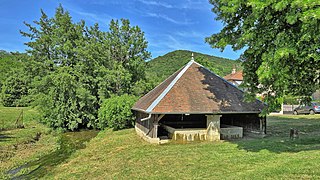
x=196 y=104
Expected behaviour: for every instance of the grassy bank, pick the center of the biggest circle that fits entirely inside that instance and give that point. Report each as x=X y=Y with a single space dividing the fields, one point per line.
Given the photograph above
x=122 y=155
x=21 y=145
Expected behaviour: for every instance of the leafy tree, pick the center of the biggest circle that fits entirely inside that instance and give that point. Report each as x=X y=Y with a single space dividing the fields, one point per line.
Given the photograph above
x=142 y=87
x=64 y=102
x=117 y=81
x=54 y=40
x=115 y=112
x=292 y=100
x=281 y=42
x=14 y=88
x=9 y=62
x=116 y=58
x=13 y=83
x=128 y=47
x=208 y=64
x=74 y=67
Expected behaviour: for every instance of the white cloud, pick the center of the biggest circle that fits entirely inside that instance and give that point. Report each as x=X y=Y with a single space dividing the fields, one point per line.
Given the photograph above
x=106 y=2
x=191 y=34
x=170 y=42
x=92 y=17
x=189 y=4
x=176 y=43
x=165 y=17
x=196 y=4
x=154 y=3
x=101 y=19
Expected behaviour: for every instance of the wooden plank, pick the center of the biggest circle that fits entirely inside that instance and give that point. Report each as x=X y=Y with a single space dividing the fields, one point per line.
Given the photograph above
x=160 y=117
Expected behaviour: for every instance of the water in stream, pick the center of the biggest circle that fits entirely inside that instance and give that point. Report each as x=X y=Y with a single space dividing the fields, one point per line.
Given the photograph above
x=68 y=143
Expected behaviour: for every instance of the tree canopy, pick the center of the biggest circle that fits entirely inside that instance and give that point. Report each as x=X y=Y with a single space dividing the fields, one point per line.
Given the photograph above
x=75 y=67
x=13 y=84
x=281 y=41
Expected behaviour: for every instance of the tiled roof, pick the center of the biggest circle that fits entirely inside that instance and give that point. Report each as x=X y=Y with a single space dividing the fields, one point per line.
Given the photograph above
x=195 y=90
x=237 y=76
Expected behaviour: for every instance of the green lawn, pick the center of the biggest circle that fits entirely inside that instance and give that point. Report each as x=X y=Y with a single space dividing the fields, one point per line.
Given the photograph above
x=10 y=134
x=18 y=146
x=122 y=155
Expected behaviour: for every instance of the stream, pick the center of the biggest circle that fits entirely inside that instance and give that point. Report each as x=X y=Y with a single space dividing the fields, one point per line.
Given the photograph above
x=68 y=142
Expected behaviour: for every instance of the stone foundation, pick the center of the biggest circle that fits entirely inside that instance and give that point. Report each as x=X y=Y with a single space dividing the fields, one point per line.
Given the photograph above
x=147 y=138
x=231 y=132
x=190 y=134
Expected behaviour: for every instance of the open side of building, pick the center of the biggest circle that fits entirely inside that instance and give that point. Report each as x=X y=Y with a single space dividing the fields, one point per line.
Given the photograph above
x=196 y=104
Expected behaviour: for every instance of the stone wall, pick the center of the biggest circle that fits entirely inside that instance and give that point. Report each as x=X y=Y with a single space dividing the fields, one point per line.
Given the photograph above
x=213 y=127
x=231 y=132
x=147 y=138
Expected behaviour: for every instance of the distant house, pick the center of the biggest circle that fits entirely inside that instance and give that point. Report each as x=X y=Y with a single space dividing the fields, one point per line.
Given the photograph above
x=196 y=104
x=235 y=77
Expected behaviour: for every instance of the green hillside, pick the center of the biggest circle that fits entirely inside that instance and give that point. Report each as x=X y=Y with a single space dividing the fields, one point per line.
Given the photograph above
x=8 y=62
x=163 y=66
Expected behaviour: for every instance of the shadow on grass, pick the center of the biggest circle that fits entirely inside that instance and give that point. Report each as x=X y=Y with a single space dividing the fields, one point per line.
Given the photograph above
x=5 y=137
x=279 y=145
x=293 y=118
x=277 y=139
x=68 y=143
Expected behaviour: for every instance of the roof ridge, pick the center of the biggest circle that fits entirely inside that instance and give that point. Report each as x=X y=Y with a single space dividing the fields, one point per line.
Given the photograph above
x=208 y=70
x=169 y=87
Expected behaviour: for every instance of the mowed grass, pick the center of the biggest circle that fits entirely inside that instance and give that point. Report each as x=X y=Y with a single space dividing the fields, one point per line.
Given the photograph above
x=20 y=145
x=9 y=116
x=9 y=134
x=123 y=155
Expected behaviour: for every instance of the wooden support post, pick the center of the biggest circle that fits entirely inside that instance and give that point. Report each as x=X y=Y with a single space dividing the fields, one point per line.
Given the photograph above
x=19 y=121
x=155 y=126
x=263 y=124
x=155 y=130
x=160 y=117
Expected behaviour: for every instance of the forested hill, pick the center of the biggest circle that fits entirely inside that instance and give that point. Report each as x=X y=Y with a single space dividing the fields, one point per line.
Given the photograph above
x=163 y=66
x=9 y=61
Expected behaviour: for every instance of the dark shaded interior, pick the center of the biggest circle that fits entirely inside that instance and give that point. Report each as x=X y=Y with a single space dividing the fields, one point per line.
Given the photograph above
x=247 y=121
x=162 y=133
x=181 y=121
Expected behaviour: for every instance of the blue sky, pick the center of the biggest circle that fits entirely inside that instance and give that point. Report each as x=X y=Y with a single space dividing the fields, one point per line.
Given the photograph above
x=168 y=24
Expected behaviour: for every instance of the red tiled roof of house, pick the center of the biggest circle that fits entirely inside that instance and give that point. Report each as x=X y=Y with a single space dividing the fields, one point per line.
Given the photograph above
x=237 y=76
x=195 y=90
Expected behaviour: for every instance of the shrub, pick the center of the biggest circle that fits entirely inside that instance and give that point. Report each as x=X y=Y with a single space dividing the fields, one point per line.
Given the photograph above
x=115 y=112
